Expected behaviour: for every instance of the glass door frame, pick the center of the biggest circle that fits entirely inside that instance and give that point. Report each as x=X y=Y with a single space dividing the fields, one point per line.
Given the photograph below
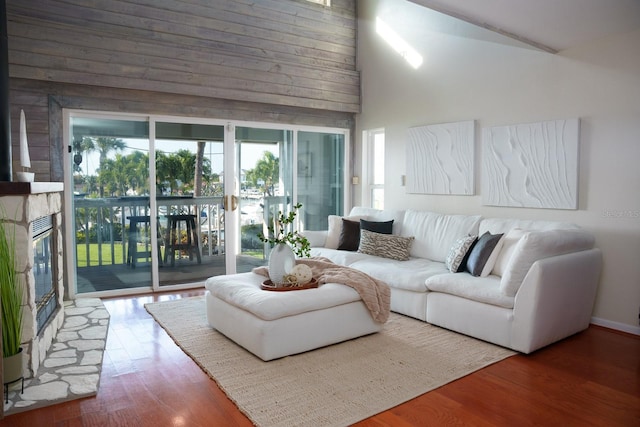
x=231 y=188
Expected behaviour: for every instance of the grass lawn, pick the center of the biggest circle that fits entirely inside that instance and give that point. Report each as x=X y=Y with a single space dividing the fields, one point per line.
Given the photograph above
x=94 y=254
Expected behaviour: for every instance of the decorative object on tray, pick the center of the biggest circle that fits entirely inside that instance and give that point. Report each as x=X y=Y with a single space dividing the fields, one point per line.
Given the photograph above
x=288 y=243
x=299 y=277
x=281 y=262
x=268 y=285
x=25 y=160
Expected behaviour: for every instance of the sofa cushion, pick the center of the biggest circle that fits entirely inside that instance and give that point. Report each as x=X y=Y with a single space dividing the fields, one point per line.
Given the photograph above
x=349 y=236
x=340 y=257
x=464 y=285
x=385 y=245
x=484 y=254
x=243 y=291
x=535 y=245
x=436 y=233
x=509 y=242
x=335 y=228
x=408 y=275
x=458 y=253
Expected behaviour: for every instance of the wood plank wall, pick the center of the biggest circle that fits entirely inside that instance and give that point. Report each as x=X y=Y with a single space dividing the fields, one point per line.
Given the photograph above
x=284 y=61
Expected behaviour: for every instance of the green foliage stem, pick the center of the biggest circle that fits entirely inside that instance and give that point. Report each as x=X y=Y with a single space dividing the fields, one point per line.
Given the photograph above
x=284 y=233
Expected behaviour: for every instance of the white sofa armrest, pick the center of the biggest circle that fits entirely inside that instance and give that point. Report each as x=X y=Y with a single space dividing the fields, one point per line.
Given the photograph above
x=556 y=299
x=316 y=238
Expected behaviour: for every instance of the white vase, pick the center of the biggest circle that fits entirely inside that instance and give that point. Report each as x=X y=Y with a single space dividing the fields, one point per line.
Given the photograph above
x=281 y=262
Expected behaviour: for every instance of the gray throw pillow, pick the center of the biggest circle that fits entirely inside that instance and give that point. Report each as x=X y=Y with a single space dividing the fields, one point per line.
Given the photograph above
x=481 y=252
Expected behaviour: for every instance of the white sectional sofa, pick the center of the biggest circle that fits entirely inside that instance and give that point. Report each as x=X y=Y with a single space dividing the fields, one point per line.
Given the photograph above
x=540 y=286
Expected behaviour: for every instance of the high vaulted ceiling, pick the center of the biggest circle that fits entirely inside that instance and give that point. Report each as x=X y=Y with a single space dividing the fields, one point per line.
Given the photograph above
x=551 y=25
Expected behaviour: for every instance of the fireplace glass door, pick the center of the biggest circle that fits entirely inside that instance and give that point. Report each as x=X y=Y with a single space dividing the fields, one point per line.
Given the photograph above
x=45 y=291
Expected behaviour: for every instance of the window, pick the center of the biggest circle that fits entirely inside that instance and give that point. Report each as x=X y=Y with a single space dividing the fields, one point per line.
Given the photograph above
x=373 y=160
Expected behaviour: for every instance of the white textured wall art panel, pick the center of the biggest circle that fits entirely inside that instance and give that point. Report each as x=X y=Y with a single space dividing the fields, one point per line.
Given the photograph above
x=440 y=158
x=531 y=165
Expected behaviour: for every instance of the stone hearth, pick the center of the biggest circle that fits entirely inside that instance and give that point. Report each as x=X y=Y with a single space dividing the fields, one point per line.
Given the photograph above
x=22 y=204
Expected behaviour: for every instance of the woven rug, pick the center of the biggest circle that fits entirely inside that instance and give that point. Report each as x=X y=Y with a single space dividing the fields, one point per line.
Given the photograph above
x=331 y=386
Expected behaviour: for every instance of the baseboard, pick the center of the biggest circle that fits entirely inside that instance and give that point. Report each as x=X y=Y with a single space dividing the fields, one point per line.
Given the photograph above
x=616 y=325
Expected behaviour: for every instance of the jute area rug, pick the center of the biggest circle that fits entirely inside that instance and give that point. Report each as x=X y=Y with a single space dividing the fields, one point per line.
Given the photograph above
x=331 y=386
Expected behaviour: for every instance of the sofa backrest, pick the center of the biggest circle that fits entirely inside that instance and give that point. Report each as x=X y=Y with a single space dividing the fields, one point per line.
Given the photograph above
x=537 y=245
x=504 y=225
x=372 y=214
x=435 y=233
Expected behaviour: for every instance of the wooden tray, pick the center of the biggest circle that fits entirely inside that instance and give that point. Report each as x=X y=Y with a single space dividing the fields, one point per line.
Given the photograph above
x=267 y=285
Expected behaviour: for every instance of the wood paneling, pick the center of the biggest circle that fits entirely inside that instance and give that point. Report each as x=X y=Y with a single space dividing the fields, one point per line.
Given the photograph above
x=280 y=52
x=280 y=61
x=43 y=103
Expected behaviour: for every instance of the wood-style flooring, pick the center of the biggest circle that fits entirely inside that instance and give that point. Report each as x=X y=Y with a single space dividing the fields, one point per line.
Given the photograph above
x=590 y=379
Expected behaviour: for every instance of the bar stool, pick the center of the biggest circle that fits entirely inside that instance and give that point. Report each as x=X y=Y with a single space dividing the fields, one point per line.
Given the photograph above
x=173 y=238
x=132 y=250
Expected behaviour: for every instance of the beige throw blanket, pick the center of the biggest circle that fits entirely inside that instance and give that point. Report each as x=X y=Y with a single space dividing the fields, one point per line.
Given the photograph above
x=375 y=294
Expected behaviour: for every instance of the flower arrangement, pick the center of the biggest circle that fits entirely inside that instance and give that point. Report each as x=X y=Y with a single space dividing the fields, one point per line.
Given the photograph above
x=281 y=231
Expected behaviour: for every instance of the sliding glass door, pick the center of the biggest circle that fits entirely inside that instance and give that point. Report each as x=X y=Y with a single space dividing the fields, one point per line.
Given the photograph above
x=321 y=177
x=110 y=187
x=189 y=201
x=162 y=202
x=265 y=187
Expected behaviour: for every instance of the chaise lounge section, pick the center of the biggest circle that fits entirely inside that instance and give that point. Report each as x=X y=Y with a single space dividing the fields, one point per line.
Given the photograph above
x=521 y=284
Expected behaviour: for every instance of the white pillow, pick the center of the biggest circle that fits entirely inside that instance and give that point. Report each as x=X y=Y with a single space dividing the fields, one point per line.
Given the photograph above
x=316 y=238
x=335 y=228
x=509 y=242
x=536 y=245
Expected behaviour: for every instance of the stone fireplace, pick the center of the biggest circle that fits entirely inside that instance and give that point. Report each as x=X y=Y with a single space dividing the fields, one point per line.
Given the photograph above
x=35 y=209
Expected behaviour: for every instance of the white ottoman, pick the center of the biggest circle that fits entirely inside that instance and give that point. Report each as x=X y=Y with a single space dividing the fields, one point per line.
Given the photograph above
x=276 y=324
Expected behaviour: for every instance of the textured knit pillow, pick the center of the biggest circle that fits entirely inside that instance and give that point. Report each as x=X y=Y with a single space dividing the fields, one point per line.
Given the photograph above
x=385 y=245
x=350 y=235
x=482 y=255
x=383 y=227
x=458 y=252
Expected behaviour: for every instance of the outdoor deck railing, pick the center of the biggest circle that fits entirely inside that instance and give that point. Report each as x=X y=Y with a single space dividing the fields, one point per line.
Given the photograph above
x=104 y=221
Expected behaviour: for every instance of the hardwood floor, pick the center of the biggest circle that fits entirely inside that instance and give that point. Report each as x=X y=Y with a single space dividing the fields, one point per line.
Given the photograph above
x=590 y=379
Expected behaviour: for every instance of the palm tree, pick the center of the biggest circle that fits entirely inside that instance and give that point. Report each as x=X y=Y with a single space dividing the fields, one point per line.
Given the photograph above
x=197 y=186
x=81 y=145
x=168 y=169
x=265 y=173
x=105 y=145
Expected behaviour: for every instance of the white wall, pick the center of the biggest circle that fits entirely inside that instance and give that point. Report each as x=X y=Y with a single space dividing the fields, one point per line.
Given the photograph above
x=500 y=84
